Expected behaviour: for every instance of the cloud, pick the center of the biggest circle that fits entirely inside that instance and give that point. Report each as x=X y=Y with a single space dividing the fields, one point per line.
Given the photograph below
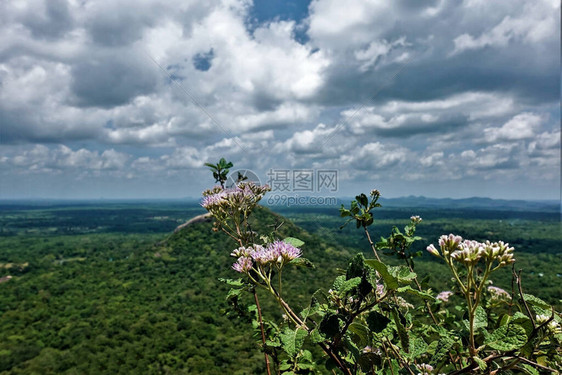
x=522 y=126
x=534 y=23
x=423 y=91
x=375 y=156
x=42 y=159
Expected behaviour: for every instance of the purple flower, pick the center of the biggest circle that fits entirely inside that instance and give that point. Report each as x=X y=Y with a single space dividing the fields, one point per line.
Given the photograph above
x=432 y=250
x=209 y=202
x=284 y=250
x=243 y=265
x=444 y=296
x=380 y=290
x=264 y=256
x=276 y=252
x=498 y=293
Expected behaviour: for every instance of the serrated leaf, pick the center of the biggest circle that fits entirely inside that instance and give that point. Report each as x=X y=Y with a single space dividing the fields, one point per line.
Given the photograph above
x=293 y=241
x=417 y=347
x=347 y=285
x=528 y=369
x=536 y=301
x=523 y=320
x=480 y=318
x=390 y=281
x=506 y=338
x=402 y=274
x=443 y=346
x=292 y=340
x=316 y=337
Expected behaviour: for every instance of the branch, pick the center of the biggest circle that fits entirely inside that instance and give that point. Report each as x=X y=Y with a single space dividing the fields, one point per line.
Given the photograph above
x=528 y=361
x=262 y=331
x=371 y=243
x=518 y=281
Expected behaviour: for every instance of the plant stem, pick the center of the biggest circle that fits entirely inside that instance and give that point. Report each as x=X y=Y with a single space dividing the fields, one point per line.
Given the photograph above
x=518 y=279
x=262 y=331
x=372 y=244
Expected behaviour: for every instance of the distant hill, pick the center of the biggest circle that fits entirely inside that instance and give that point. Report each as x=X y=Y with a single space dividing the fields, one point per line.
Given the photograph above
x=473 y=203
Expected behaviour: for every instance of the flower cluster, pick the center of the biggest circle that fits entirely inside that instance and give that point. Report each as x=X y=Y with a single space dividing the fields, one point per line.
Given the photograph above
x=242 y=197
x=278 y=253
x=416 y=219
x=243 y=265
x=425 y=369
x=553 y=326
x=469 y=252
x=498 y=293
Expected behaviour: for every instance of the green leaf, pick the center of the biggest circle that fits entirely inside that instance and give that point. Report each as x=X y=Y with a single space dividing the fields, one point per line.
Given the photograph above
x=417 y=347
x=423 y=295
x=523 y=320
x=316 y=337
x=377 y=322
x=390 y=281
x=480 y=318
x=481 y=364
x=232 y=282
x=354 y=209
x=292 y=340
x=535 y=301
x=330 y=325
x=284 y=366
x=293 y=241
x=356 y=267
x=402 y=273
x=506 y=338
x=362 y=199
x=402 y=334
x=528 y=369
x=361 y=331
x=444 y=345
x=233 y=293
x=302 y=262
x=348 y=285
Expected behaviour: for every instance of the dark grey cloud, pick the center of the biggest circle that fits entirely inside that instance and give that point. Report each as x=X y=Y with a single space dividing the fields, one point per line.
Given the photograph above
x=415 y=126
x=51 y=19
x=110 y=80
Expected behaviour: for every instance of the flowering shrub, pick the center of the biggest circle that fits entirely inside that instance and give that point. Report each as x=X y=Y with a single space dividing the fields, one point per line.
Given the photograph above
x=380 y=319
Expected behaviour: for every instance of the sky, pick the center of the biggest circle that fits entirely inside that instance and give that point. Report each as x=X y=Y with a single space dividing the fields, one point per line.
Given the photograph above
x=128 y=99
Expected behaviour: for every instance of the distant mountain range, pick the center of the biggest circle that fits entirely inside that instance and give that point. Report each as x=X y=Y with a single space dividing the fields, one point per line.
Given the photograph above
x=411 y=201
x=474 y=203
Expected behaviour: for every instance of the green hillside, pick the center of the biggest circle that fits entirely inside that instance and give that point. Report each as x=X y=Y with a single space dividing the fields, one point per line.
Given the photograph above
x=112 y=303
x=136 y=301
